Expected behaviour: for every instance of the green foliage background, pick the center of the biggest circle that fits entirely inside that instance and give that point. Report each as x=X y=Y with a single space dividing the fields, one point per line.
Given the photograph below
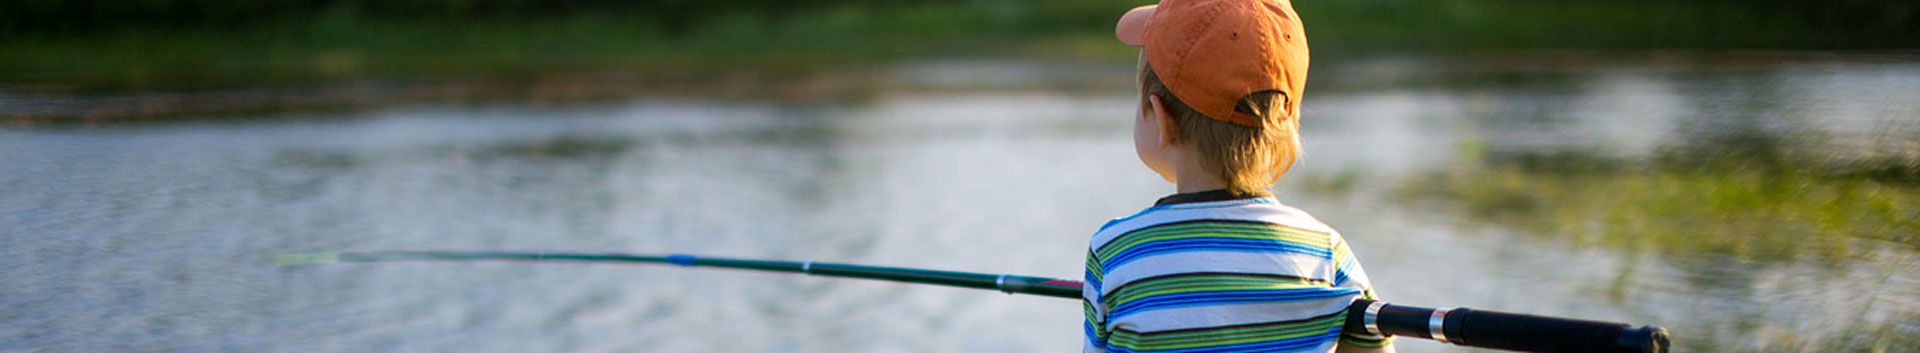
x=173 y=44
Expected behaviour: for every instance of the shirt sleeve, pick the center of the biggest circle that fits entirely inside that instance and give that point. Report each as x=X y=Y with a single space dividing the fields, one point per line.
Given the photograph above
x=1095 y=324
x=1349 y=274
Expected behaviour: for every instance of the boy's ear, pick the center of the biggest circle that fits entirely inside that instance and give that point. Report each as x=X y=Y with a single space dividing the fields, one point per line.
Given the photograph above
x=1169 y=131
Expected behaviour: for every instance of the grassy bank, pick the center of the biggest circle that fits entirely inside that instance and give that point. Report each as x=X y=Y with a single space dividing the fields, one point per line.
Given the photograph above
x=1791 y=209
x=1719 y=216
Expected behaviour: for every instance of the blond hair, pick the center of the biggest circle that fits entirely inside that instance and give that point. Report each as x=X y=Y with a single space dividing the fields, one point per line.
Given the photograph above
x=1244 y=158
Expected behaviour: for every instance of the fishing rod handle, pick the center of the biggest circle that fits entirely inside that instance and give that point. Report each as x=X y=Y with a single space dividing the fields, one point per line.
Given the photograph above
x=1503 y=331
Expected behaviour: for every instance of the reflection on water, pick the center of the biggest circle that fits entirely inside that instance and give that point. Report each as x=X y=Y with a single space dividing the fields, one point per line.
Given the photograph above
x=160 y=237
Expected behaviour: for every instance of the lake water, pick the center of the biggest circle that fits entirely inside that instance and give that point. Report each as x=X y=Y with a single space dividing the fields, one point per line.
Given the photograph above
x=161 y=237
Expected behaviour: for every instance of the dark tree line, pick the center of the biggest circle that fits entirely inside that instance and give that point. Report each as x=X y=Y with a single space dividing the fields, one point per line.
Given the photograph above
x=79 y=16
x=1889 y=22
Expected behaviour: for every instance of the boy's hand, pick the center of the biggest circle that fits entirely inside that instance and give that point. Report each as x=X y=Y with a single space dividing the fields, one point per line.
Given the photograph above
x=1356 y=349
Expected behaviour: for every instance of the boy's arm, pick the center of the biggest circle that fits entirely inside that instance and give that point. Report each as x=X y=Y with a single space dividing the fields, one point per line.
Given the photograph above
x=1351 y=344
x=1348 y=348
x=1348 y=273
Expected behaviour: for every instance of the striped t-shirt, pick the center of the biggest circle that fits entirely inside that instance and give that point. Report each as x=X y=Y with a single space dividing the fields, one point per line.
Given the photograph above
x=1213 y=272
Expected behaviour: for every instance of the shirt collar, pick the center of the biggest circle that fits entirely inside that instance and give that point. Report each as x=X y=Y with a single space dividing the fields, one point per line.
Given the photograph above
x=1207 y=196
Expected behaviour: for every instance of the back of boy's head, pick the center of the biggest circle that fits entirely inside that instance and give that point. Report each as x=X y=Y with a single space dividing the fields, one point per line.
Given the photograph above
x=1230 y=73
x=1246 y=159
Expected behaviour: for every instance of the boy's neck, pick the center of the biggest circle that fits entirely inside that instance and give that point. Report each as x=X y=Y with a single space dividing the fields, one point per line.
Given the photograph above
x=1188 y=175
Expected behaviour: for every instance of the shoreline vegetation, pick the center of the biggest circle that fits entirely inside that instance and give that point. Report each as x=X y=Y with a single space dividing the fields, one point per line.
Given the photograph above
x=1751 y=200
x=287 y=56
x=1750 y=203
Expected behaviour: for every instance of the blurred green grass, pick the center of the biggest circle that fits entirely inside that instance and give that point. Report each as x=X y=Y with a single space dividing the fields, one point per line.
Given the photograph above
x=345 y=46
x=1752 y=206
x=189 y=44
x=345 y=49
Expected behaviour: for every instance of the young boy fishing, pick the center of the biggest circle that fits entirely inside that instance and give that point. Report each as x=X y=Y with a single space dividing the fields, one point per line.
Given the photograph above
x=1221 y=265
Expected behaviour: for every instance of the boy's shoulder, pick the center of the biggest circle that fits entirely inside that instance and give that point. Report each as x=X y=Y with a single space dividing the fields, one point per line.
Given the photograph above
x=1262 y=213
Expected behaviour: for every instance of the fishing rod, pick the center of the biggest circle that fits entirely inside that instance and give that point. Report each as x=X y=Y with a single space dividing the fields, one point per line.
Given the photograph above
x=1458 y=326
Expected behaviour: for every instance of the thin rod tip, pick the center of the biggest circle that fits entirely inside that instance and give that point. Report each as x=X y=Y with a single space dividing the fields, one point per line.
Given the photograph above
x=303 y=259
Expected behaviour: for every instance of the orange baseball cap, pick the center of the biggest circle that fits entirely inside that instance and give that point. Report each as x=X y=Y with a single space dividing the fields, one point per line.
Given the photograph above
x=1211 y=53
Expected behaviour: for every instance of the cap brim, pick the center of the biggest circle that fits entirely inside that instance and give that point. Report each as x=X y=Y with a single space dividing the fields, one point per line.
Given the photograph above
x=1133 y=25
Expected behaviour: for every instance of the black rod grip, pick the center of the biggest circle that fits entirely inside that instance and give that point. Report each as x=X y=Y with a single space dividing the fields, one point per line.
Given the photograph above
x=1532 y=333
x=1396 y=320
x=1513 y=332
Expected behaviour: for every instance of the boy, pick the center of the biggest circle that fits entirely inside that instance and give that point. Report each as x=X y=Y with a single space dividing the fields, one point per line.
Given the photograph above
x=1221 y=265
